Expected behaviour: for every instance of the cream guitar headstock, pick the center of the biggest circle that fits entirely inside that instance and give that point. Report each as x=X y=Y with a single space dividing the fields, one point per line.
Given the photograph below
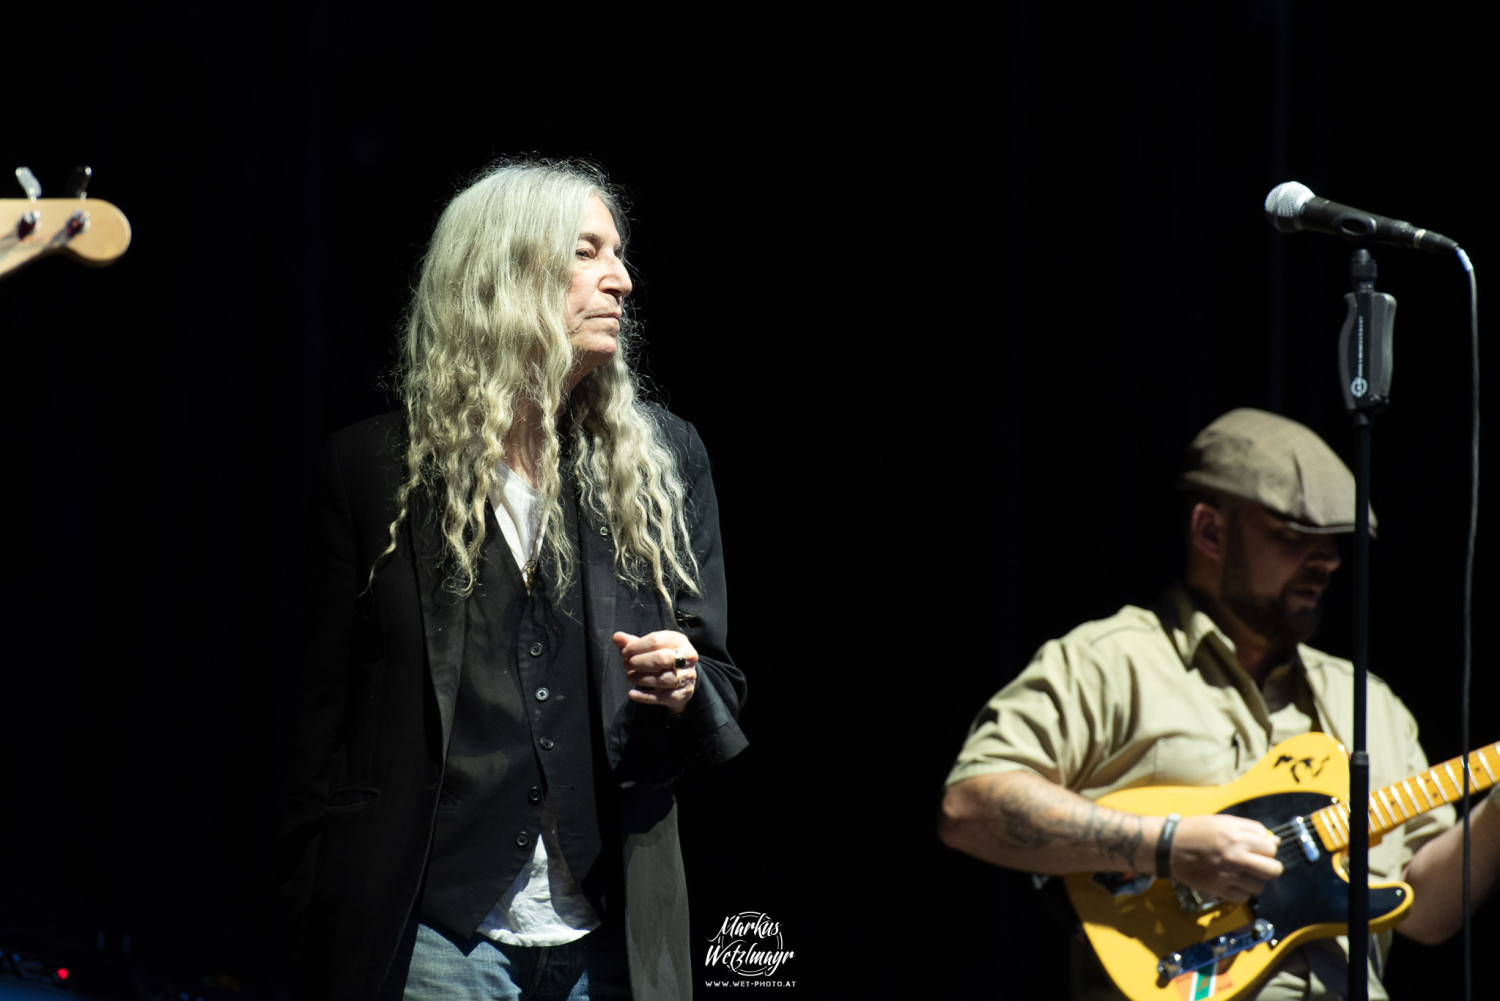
x=94 y=232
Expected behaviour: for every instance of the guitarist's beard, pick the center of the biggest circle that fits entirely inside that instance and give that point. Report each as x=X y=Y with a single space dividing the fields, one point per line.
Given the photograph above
x=1282 y=620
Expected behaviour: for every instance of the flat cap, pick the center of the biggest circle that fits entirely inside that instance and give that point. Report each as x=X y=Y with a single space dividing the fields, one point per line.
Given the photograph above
x=1277 y=463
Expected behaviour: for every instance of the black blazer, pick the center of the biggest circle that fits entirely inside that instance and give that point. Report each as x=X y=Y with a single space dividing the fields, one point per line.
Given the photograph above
x=375 y=710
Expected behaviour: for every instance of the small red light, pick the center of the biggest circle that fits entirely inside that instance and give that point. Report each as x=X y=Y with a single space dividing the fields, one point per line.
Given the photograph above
x=62 y=973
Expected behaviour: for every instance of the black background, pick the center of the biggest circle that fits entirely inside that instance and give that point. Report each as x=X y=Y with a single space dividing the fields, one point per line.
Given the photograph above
x=945 y=296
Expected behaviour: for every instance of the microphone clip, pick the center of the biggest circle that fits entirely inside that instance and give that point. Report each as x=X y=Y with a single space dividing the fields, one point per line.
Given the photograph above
x=1365 y=342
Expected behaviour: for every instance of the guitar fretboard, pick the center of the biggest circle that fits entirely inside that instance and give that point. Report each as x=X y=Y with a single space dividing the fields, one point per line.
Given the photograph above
x=1399 y=802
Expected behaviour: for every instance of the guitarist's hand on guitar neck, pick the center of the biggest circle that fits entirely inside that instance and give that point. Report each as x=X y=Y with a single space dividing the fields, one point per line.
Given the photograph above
x=1224 y=857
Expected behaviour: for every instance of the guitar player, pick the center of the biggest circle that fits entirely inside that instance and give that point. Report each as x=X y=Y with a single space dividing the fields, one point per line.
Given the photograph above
x=1195 y=691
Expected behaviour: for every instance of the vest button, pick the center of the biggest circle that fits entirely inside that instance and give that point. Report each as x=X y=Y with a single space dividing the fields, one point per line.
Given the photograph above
x=542 y=694
x=536 y=649
x=523 y=839
x=604 y=530
x=546 y=743
x=534 y=796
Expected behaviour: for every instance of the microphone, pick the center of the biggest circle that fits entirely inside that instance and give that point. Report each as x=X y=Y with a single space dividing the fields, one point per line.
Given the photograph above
x=1292 y=206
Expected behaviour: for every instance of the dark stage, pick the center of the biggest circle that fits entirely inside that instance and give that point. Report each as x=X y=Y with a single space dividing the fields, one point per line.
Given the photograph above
x=945 y=297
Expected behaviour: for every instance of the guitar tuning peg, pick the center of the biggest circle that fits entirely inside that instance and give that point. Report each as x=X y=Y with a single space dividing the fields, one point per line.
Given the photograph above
x=33 y=189
x=78 y=183
x=29 y=183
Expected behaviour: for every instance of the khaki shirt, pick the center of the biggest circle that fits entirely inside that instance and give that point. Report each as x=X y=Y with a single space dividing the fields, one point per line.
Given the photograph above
x=1156 y=697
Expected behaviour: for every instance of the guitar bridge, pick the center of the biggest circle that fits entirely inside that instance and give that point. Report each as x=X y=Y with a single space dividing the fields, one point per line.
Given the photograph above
x=1208 y=953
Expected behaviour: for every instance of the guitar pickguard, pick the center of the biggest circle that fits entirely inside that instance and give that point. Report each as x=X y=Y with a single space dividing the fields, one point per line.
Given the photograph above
x=1306 y=893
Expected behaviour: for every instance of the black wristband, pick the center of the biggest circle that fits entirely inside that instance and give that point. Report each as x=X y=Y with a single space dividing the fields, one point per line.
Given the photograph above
x=1164 y=846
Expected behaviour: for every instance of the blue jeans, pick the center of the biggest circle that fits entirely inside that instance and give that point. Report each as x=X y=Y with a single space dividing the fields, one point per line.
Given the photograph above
x=591 y=969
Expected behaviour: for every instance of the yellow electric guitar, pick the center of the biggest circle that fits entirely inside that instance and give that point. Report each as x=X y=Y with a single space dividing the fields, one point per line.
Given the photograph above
x=1166 y=943
x=92 y=231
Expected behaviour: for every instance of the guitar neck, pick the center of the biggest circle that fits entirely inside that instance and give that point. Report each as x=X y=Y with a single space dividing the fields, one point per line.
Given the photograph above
x=1399 y=802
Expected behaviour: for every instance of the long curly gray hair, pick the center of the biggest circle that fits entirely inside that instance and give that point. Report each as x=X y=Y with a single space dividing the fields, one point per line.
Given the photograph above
x=486 y=339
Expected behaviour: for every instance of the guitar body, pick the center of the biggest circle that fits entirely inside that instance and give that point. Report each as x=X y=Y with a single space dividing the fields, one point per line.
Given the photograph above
x=1131 y=934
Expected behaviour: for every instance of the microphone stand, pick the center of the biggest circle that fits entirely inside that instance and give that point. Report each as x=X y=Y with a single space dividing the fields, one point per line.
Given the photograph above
x=1365 y=368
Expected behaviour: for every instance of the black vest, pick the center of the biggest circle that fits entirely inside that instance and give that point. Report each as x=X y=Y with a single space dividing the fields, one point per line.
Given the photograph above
x=522 y=730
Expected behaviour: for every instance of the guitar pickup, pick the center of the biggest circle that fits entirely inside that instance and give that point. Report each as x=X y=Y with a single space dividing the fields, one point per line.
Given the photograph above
x=1305 y=839
x=1208 y=953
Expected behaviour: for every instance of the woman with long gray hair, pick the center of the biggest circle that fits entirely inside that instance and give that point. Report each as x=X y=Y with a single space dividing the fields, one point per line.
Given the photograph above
x=518 y=634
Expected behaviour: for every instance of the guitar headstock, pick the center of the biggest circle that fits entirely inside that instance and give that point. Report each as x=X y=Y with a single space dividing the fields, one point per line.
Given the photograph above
x=94 y=232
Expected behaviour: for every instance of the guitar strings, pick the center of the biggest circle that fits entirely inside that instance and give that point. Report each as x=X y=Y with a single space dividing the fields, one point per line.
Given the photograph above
x=1290 y=846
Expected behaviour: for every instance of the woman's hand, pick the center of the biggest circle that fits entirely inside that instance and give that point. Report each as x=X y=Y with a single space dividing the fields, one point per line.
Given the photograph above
x=663 y=667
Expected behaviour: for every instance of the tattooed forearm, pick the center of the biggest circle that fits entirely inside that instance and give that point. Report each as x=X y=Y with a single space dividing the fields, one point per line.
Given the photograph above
x=1020 y=827
x=1030 y=819
x=1114 y=835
